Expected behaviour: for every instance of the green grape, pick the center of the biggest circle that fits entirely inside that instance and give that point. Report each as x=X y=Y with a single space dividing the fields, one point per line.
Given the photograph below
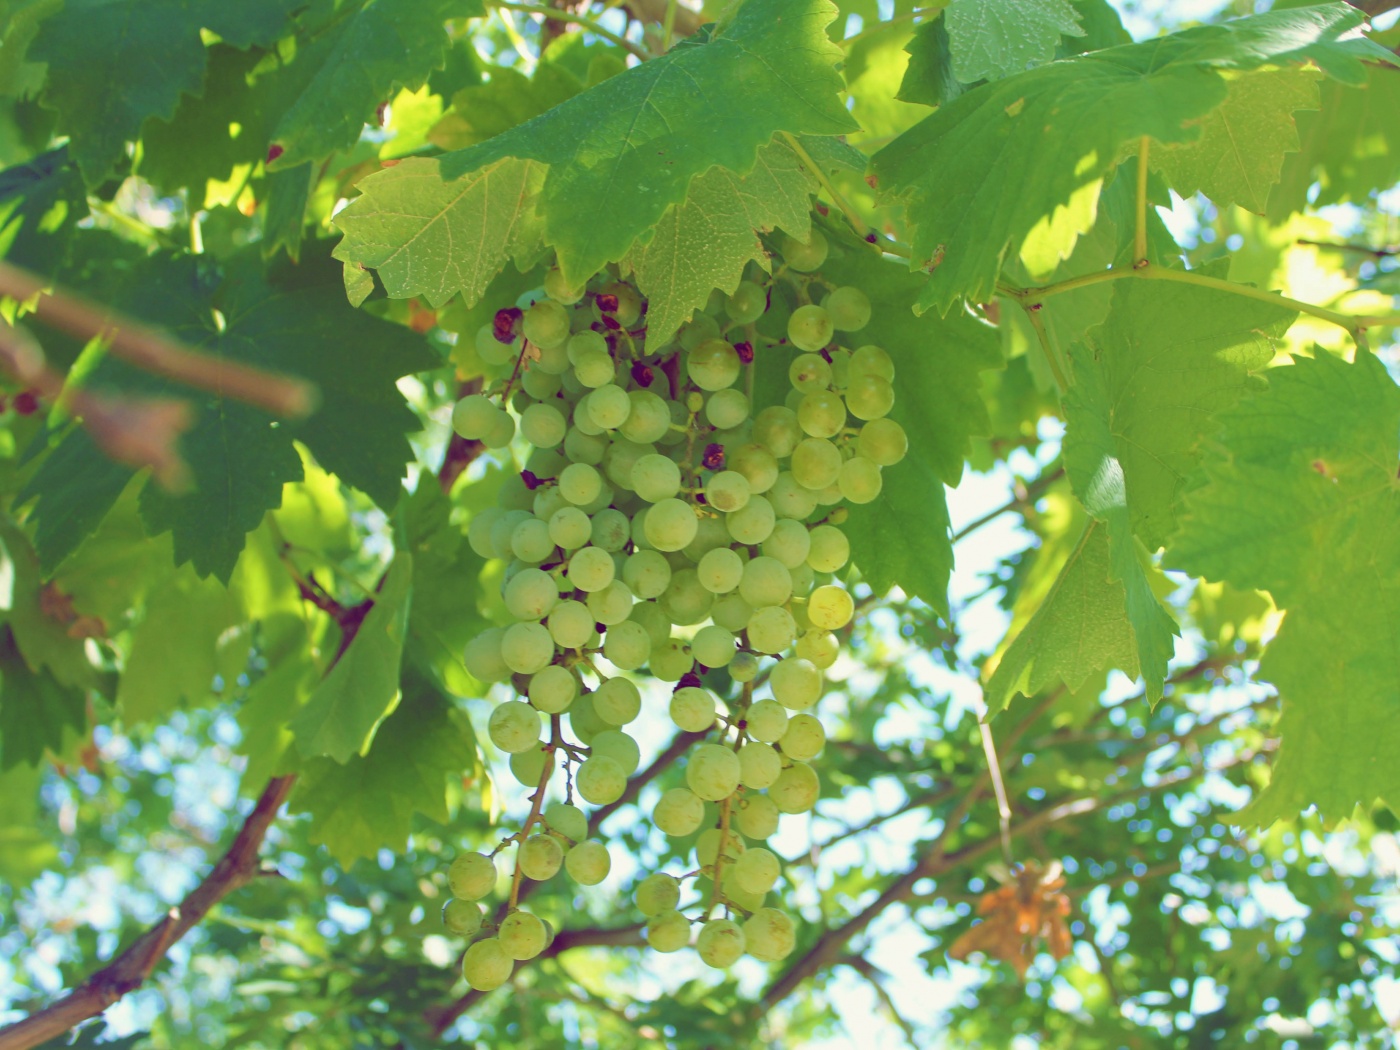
x=528 y=766
x=693 y=709
x=548 y=502
x=583 y=422
x=558 y=289
x=821 y=414
x=479 y=530
x=804 y=256
x=611 y=604
x=744 y=667
x=720 y=943
x=543 y=425
x=595 y=369
x=618 y=746
x=569 y=528
x=570 y=624
x=765 y=581
x=830 y=549
x=804 y=737
x=713 y=646
x=513 y=494
x=796 y=790
x=678 y=812
x=483 y=657
x=486 y=965
x=869 y=397
x=713 y=365
x=527 y=647
x=809 y=372
x=580 y=483
x=514 y=726
x=627 y=645
x=670 y=524
x=647 y=573
x=649 y=419
x=695 y=331
x=588 y=863
x=873 y=361
x=685 y=601
x=531 y=593
x=668 y=931
x=713 y=772
x=504 y=530
x=757 y=870
x=491 y=350
x=586 y=341
x=742 y=898
x=585 y=448
x=818 y=647
x=757 y=817
x=830 y=608
x=584 y=720
x=591 y=569
x=502 y=432
x=809 y=328
x=540 y=857
x=769 y=935
x=608 y=406
x=753 y=522
x=747 y=304
x=521 y=935
x=727 y=491
x=617 y=701
x=462 y=917
x=759 y=766
x=629 y=303
x=472 y=876
x=727 y=408
x=600 y=780
x=656 y=477
x=567 y=820
x=789 y=543
x=474 y=416
x=650 y=616
x=657 y=893
x=731 y=612
x=530 y=542
x=860 y=480
x=546 y=324
x=670 y=661
x=610 y=529
x=882 y=441
x=816 y=463
x=766 y=721
x=553 y=689
x=710 y=534
x=542 y=385
x=849 y=308
x=778 y=430
x=757 y=464
x=796 y=682
x=707 y=848
x=790 y=499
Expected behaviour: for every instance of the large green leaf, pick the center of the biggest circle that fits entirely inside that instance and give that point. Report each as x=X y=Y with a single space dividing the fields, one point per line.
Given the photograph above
x=340 y=718
x=991 y=39
x=36 y=710
x=40 y=635
x=1029 y=153
x=1301 y=500
x=114 y=63
x=623 y=152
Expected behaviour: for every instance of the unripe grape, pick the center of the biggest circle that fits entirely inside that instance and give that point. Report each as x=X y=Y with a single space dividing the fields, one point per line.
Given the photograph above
x=649 y=418
x=713 y=646
x=757 y=817
x=553 y=689
x=766 y=720
x=611 y=604
x=804 y=738
x=540 y=857
x=585 y=448
x=617 y=701
x=809 y=328
x=678 y=812
x=650 y=616
x=685 y=601
x=860 y=480
x=809 y=372
x=595 y=369
x=627 y=645
x=567 y=820
x=600 y=780
x=804 y=256
x=569 y=528
x=483 y=657
x=588 y=863
x=765 y=581
x=790 y=499
x=882 y=441
x=656 y=477
x=713 y=365
x=830 y=549
x=591 y=569
x=713 y=772
x=657 y=893
x=527 y=647
x=693 y=709
x=744 y=667
x=521 y=935
x=584 y=721
x=849 y=308
x=558 y=289
x=816 y=463
x=757 y=464
x=608 y=406
x=707 y=848
x=486 y=965
x=528 y=766
x=546 y=324
x=727 y=491
x=629 y=302
x=819 y=647
x=474 y=416
x=732 y=613
x=756 y=870
x=752 y=523
x=830 y=608
x=720 y=570
x=491 y=350
x=618 y=746
x=530 y=594
x=462 y=917
x=789 y=543
x=710 y=534
x=720 y=943
x=479 y=530
x=759 y=766
x=471 y=876
x=586 y=341
x=570 y=624
x=747 y=303
x=778 y=429
x=647 y=573
x=874 y=361
x=610 y=530
x=796 y=790
x=822 y=414
x=580 y=483
x=668 y=931
x=769 y=935
x=543 y=425
x=797 y=684
x=869 y=397
x=670 y=524
x=726 y=408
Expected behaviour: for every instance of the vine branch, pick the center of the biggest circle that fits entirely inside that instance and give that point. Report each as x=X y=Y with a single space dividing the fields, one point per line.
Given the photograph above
x=555 y=15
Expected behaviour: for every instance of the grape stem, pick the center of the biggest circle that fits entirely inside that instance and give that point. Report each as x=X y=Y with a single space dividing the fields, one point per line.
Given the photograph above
x=583 y=21
x=536 y=806
x=857 y=223
x=716 y=891
x=515 y=372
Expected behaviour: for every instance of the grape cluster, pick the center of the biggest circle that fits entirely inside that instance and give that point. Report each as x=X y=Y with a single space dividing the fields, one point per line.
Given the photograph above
x=665 y=525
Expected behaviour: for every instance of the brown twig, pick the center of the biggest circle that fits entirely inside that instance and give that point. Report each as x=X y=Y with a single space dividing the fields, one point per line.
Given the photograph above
x=1364 y=249
x=155 y=352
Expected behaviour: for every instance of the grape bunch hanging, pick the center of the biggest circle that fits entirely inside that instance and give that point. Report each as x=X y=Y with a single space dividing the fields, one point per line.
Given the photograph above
x=664 y=525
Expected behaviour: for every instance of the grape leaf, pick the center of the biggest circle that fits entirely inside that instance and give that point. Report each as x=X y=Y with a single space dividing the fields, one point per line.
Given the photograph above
x=432 y=236
x=704 y=242
x=41 y=638
x=340 y=718
x=1300 y=499
x=369 y=802
x=35 y=200
x=991 y=39
x=102 y=79
x=35 y=709
x=991 y=167
x=1078 y=627
x=26 y=849
x=1240 y=152
x=623 y=152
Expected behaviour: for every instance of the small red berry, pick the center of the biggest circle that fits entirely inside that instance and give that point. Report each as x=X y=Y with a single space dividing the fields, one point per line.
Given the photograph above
x=642 y=374
x=689 y=680
x=273 y=152
x=607 y=303
x=503 y=324
x=745 y=352
x=713 y=458
x=26 y=402
x=531 y=482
